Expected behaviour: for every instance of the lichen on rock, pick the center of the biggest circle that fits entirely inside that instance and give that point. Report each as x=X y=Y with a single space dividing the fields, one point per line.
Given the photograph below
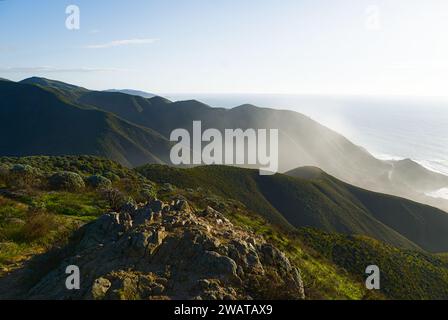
x=170 y=251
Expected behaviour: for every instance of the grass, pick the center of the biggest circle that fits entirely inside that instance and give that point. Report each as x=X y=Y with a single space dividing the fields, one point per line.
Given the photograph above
x=332 y=265
x=293 y=202
x=33 y=219
x=405 y=274
x=33 y=223
x=26 y=231
x=322 y=278
x=87 y=206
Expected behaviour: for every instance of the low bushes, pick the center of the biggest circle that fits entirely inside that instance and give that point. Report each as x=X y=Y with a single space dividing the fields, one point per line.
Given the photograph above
x=98 y=182
x=67 y=181
x=21 y=176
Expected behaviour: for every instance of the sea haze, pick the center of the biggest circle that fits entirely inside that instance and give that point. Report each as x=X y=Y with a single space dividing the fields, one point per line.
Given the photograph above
x=388 y=127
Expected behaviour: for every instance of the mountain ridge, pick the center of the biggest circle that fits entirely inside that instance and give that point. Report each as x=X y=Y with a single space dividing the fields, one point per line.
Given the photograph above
x=302 y=141
x=132 y=92
x=324 y=203
x=53 y=126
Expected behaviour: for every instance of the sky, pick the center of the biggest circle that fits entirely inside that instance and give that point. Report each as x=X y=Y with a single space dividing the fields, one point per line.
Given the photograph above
x=345 y=47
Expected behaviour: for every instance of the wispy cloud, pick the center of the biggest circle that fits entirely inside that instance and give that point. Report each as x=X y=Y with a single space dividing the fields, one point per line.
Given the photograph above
x=47 y=69
x=119 y=43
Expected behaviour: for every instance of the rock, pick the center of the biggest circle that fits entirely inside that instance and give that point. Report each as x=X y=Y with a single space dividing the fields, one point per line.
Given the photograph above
x=157 y=215
x=143 y=216
x=209 y=211
x=214 y=263
x=158 y=236
x=160 y=251
x=166 y=208
x=126 y=220
x=156 y=205
x=139 y=242
x=129 y=207
x=108 y=221
x=157 y=289
x=100 y=288
x=182 y=205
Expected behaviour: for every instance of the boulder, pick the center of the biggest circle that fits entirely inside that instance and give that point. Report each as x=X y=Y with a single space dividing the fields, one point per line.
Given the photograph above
x=142 y=253
x=99 y=288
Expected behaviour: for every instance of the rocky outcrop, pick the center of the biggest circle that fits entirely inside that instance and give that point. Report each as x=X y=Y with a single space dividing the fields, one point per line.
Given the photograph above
x=170 y=251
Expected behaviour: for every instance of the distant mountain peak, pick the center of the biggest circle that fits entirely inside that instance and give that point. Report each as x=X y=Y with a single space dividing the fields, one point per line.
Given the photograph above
x=308 y=172
x=132 y=92
x=192 y=103
x=160 y=100
x=247 y=106
x=50 y=83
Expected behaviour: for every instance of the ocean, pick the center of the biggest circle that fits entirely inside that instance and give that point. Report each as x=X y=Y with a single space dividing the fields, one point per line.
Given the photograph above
x=388 y=127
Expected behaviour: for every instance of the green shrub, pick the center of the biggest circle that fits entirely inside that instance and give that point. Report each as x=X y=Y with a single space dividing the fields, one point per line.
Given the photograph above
x=23 y=176
x=146 y=193
x=67 y=181
x=115 y=198
x=4 y=171
x=98 y=182
x=38 y=226
x=111 y=176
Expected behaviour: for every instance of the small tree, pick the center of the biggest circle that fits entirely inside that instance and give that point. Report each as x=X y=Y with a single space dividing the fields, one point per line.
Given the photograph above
x=115 y=198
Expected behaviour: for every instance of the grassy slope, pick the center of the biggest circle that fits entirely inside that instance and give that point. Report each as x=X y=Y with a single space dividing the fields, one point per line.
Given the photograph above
x=36 y=121
x=422 y=224
x=302 y=141
x=65 y=211
x=332 y=265
x=405 y=274
x=283 y=200
x=34 y=219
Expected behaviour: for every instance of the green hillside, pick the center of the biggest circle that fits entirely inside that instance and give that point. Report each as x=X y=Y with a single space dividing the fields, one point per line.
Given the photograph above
x=67 y=91
x=326 y=204
x=37 y=122
x=55 y=215
x=33 y=220
x=302 y=141
x=131 y=92
x=422 y=224
x=405 y=274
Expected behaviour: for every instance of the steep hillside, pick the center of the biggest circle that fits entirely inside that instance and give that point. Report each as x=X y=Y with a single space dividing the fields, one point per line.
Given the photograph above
x=404 y=274
x=327 y=204
x=35 y=226
x=191 y=243
x=37 y=122
x=61 y=89
x=424 y=225
x=302 y=141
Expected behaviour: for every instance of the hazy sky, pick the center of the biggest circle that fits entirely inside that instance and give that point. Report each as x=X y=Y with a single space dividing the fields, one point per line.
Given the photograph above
x=235 y=46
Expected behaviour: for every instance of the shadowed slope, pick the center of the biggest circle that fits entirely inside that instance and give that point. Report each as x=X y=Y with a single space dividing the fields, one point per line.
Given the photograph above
x=324 y=203
x=37 y=122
